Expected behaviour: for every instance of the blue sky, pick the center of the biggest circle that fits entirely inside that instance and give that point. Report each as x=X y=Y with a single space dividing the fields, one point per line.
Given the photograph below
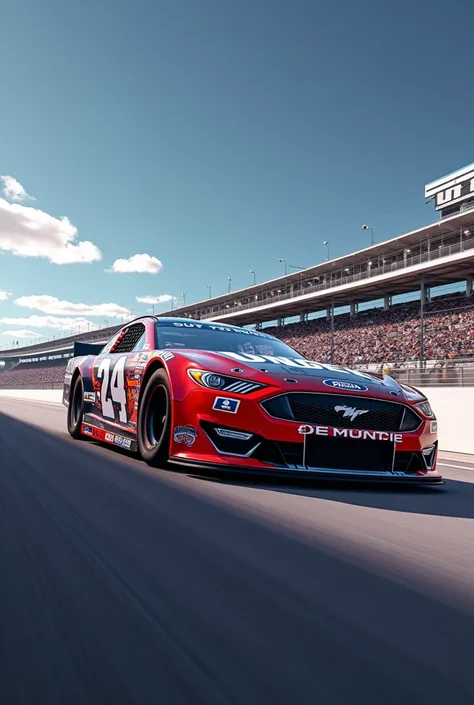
x=217 y=136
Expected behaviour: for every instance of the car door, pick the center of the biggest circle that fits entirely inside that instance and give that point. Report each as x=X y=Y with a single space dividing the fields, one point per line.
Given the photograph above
x=115 y=383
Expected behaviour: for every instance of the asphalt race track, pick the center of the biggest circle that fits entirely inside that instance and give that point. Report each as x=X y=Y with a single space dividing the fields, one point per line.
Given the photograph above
x=123 y=585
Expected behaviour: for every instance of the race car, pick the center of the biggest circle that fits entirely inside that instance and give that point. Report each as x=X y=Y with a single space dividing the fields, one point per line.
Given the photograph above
x=209 y=395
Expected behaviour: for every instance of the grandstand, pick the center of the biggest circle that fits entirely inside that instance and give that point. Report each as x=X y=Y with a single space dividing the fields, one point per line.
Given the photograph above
x=434 y=329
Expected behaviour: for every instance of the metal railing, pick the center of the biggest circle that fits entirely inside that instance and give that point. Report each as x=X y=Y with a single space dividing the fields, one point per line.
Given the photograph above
x=336 y=279
x=455 y=376
x=458 y=376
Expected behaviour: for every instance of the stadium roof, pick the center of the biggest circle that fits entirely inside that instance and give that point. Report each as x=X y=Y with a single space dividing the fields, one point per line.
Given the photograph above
x=442 y=252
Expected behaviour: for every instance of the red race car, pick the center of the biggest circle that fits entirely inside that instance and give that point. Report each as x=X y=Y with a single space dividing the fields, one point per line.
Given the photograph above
x=207 y=395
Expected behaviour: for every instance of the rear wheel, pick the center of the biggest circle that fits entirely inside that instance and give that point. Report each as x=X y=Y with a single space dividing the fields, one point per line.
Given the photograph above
x=154 y=420
x=75 y=412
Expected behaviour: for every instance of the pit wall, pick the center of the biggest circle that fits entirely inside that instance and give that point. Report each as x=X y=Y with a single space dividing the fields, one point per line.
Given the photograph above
x=453 y=406
x=52 y=396
x=454 y=409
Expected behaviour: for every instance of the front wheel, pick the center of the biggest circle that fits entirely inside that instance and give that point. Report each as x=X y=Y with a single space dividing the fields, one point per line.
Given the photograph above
x=75 y=411
x=154 y=420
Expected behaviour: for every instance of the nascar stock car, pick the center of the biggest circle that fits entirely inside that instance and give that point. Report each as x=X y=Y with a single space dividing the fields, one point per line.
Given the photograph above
x=204 y=395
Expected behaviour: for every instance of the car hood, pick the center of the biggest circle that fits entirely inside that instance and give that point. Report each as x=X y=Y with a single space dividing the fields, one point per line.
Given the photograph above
x=313 y=375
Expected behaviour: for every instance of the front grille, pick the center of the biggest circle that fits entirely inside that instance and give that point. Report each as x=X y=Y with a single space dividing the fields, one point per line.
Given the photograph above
x=340 y=410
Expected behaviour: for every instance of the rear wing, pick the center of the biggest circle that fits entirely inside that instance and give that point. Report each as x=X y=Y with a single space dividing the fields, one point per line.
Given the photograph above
x=87 y=348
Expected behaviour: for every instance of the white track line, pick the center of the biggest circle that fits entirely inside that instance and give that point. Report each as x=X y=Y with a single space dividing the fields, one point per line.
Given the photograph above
x=456 y=467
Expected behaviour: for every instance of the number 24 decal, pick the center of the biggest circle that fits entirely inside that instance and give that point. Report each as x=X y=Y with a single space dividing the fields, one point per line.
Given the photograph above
x=115 y=391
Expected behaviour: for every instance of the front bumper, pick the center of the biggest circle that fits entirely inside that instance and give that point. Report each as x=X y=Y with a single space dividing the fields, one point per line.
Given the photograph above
x=274 y=447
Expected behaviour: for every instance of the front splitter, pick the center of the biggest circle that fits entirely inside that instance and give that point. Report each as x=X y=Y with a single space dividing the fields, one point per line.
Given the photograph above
x=349 y=476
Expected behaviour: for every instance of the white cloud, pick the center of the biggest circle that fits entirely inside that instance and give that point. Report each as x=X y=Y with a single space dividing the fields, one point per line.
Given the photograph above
x=30 y=232
x=56 y=307
x=64 y=324
x=22 y=333
x=4 y=295
x=139 y=264
x=154 y=300
x=13 y=190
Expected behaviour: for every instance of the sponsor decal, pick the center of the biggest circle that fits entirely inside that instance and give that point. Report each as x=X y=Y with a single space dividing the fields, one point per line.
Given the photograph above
x=109 y=437
x=275 y=360
x=87 y=430
x=332 y=432
x=293 y=362
x=43 y=358
x=123 y=442
x=165 y=356
x=453 y=188
x=345 y=385
x=185 y=434
x=217 y=327
x=89 y=396
x=224 y=404
x=350 y=412
x=97 y=433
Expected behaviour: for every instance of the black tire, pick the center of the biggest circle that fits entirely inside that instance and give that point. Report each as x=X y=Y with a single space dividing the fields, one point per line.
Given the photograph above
x=154 y=420
x=75 y=411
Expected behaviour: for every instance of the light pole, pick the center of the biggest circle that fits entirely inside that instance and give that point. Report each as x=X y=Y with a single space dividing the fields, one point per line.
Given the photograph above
x=326 y=245
x=252 y=271
x=229 y=279
x=209 y=290
x=184 y=299
x=106 y=322
x=367 y=227
x=283 y=261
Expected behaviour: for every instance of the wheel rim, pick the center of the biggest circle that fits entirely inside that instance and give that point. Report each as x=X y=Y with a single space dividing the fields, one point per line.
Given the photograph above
x=156 y=416
x=76 y=407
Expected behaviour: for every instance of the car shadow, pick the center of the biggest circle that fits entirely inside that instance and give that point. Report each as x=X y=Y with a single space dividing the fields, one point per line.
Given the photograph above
x=453 y=499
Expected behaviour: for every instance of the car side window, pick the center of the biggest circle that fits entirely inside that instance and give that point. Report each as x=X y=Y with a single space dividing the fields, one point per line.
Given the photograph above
x=129 y=338
x=141 y=343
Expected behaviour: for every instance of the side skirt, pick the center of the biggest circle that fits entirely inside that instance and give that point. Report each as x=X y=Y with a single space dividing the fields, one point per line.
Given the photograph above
x=105 y=436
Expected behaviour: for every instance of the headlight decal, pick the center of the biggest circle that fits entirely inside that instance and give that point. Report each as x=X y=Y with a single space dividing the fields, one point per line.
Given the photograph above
x=224 y=383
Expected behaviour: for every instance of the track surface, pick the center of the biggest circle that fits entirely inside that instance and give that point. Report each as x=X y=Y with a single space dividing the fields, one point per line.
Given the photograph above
x=124 y=585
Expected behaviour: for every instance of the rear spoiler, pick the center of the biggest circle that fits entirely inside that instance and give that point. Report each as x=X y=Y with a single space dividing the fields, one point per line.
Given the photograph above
x=87 y=348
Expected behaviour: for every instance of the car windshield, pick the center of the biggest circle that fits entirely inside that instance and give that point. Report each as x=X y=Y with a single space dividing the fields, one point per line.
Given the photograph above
x=219 y=338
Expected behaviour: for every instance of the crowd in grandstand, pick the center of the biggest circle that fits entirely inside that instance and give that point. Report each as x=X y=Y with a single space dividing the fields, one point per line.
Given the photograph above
x=371 y=336
x=33 y=376
x=376 y=335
